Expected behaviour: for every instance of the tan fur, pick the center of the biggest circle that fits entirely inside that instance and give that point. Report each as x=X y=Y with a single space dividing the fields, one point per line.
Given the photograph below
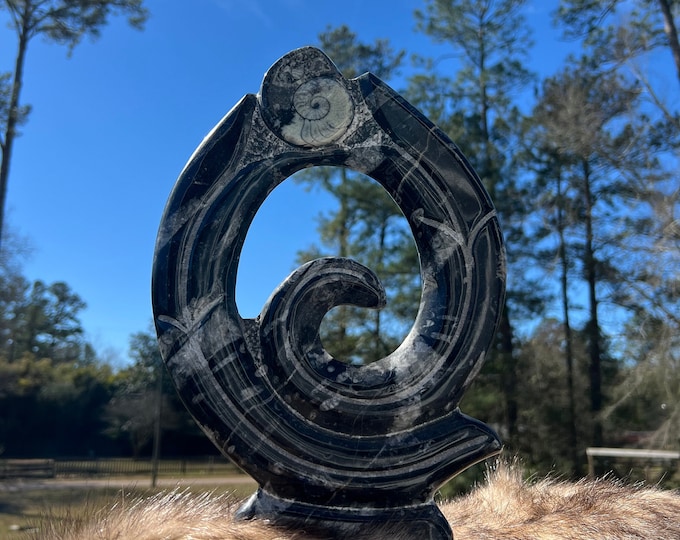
x=508 y=508
x=175 y=515
x=505 y=507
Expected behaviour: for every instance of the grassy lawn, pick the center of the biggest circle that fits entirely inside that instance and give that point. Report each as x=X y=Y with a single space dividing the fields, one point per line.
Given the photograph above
x=21 y=507
x=23 y=504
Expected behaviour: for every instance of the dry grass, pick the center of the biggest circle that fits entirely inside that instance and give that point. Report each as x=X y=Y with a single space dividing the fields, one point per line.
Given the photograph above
x=24 y=506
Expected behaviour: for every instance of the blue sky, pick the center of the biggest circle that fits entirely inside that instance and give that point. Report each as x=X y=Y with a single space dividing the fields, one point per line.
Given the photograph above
x=113 y=125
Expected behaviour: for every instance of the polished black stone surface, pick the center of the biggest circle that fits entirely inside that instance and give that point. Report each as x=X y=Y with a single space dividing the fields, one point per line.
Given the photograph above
x=335 y=447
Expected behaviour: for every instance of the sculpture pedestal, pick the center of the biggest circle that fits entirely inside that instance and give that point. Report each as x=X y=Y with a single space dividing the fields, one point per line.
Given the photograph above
x=421 y=522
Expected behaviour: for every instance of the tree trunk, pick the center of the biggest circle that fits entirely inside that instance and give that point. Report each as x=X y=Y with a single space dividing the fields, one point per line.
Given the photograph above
x=378 y=350
x=593 y=329
x=156 y=450
x=671 y=32
x=509 y=371
x=343 y=249
x=505 y=345
x=568 y=348
x=13 y=116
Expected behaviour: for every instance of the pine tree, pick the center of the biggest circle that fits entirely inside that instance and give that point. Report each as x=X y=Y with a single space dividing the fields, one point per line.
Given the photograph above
x=623 y=40
x=60 y=21
x=489 y=42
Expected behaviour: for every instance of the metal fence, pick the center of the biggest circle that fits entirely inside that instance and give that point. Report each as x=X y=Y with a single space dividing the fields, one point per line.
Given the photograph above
x=641 y=456
x=86 y=467
x=26 y=468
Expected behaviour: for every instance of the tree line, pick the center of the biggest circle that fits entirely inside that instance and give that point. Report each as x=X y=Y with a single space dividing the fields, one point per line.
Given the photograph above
x=58 y=398
x=583 y=169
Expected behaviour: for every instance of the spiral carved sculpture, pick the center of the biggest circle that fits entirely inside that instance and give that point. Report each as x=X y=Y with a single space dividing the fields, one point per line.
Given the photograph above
x=335 y=448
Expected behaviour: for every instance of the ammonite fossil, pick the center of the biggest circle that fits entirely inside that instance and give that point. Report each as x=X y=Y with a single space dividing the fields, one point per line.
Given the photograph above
x=334 y=447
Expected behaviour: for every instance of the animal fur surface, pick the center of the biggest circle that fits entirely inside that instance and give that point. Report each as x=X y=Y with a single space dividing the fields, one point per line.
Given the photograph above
x=504 y=507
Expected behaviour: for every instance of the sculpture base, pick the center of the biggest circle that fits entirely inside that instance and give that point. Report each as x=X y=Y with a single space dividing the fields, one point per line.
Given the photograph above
x=424 y=522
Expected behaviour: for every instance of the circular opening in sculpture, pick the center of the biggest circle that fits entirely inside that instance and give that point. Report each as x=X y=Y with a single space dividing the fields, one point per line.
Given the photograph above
x=352 y=216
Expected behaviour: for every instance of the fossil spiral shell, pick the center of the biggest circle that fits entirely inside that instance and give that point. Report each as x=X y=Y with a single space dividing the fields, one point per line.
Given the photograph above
x=324 y=111
x=307 y=104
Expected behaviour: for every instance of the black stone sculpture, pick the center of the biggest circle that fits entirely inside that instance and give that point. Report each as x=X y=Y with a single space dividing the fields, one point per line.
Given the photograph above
x=335 y=448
